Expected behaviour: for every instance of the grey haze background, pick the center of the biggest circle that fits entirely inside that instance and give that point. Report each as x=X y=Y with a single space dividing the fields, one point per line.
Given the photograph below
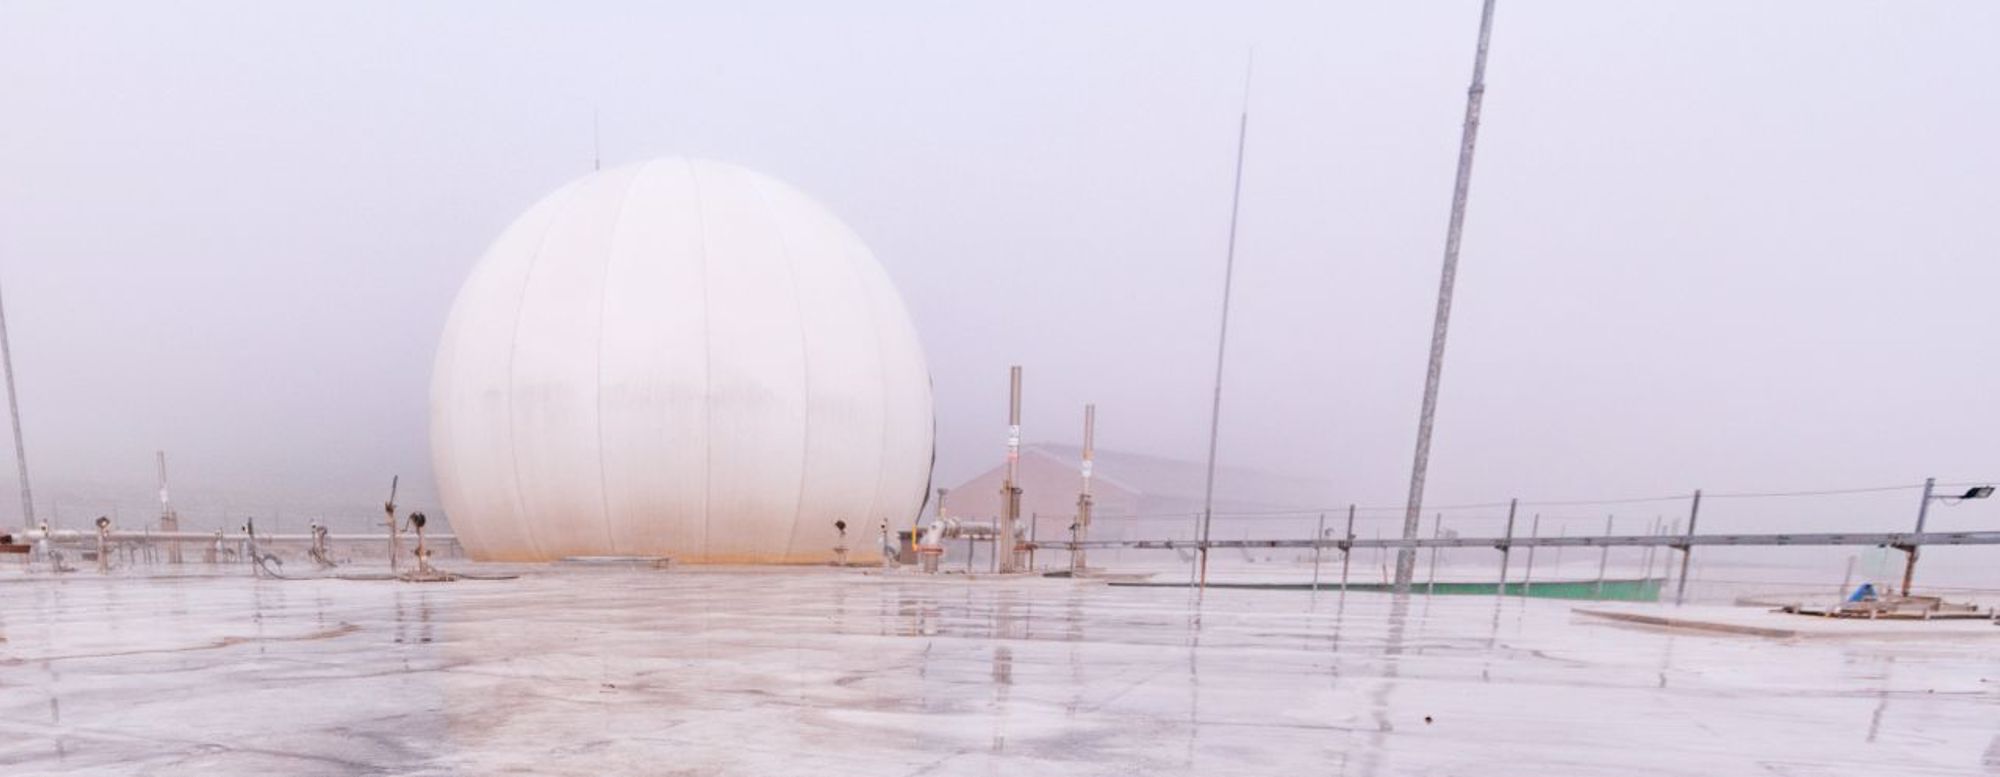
x=1716 y=244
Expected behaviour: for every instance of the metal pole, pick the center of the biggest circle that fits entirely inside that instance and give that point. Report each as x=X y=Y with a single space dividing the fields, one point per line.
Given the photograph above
x=1923 y=511
x=1653 y=553
x=1222 y=337
x=1078 y=560
x=1528 y=575
x=1846 y=579
x=1194 y=534
x=1646 y=556
x=1687 y=550
x=1406 y=559
x=14 y=413
x=1603 y=559
x=1347 y=550
x=1319 y=536
x=917 y=533
x=1507 y=546
x=1667 y=562
x=1034 y=532
x=169 y=520
x=389 y=516
x=1010 y=491
x=1382 y=557
x=1437 y=530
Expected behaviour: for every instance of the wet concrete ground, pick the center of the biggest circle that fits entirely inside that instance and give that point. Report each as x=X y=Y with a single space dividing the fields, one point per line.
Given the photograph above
x=831 y=672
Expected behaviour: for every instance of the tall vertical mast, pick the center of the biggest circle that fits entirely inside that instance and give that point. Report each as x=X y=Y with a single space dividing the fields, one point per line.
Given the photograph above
x=14 y=413
x=1406 y=558
x=1222 y=338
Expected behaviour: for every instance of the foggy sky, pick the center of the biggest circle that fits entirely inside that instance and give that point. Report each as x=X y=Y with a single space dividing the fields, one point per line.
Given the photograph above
x=1722 y=245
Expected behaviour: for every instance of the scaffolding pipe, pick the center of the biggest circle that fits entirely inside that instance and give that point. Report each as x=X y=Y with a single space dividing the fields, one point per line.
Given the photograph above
x=1923 y=511
x=1347 y=550
x=1603 y=559
x=1528 y=574
x=1437 y=530
x=1319 y=541
x=1687 y=550
x=1507 y=544
x=1819 y=539
x=70 y=536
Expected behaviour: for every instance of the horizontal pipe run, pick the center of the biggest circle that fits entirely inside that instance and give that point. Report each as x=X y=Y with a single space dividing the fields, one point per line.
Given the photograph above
x=1888 y=539
x=124 y=535
x=1894 y=540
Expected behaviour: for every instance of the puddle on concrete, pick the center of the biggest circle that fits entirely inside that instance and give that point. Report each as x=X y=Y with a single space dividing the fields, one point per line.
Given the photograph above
x=837 y=672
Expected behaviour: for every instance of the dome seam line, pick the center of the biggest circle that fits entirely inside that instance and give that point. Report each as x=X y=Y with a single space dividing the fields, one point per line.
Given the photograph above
x=513 y=352
x=604 y=294
x=860 y=275
x=707 y=363
x=805 y=371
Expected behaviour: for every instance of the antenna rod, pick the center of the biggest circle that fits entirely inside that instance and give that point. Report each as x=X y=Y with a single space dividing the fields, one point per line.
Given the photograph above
x=1222 y=339
x=14 y=413
x=1406 y=558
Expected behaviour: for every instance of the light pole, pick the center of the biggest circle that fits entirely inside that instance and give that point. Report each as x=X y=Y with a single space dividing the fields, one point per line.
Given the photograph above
x=1923 y=512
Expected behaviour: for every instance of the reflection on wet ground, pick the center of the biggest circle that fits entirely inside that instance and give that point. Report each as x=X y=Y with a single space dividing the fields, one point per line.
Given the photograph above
x=837 y=672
